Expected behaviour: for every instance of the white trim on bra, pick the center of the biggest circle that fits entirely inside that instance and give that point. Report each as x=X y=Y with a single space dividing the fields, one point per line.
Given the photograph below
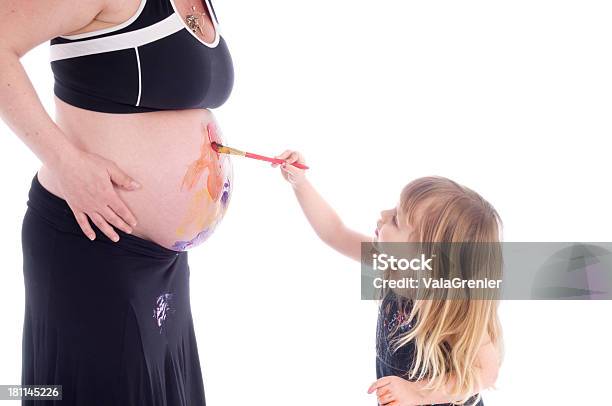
x=109 y=29
x=131 y=39
x=139 y=77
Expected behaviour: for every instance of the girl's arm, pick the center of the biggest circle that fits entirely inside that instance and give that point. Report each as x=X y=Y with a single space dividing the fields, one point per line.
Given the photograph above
x=408 y=393
x=321 y=216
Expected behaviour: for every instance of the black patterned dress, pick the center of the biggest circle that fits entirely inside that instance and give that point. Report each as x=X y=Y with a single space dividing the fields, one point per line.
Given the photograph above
x=392 y=321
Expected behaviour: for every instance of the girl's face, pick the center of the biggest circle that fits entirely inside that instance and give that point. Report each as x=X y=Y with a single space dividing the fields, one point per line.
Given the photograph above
x=393 y=226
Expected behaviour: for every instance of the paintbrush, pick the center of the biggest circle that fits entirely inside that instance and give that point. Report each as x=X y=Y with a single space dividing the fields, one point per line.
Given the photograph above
x=222 y=149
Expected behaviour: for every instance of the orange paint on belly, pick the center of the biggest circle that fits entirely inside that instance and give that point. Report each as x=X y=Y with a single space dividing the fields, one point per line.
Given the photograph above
x=201 y=214
x=209 y=159
x=205 y=206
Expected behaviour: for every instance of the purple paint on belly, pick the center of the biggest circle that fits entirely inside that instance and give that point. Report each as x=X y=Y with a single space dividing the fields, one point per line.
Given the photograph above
x=198 y=239
x=203 y=235
x=225 y=198
x=226 y=193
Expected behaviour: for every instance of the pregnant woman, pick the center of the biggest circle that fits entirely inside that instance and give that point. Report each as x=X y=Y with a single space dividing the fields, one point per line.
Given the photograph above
x=128 y=183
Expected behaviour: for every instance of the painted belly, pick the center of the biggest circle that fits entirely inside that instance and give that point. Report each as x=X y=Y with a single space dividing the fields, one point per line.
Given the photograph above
x=208 y=181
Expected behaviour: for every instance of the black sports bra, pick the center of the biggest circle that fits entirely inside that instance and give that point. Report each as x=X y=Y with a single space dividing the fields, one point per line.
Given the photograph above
x=150 y=62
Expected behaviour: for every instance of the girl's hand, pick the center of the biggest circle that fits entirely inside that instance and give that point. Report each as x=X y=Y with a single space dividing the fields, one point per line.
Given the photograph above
x=86 y=182
x=394 y=391
x=293 y=175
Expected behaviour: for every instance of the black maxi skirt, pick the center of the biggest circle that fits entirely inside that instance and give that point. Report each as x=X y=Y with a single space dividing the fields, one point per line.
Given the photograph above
x=110 y=322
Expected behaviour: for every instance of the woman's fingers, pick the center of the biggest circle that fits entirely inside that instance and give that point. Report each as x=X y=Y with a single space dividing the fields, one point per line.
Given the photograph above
x=120 y=178
x=87 y=182
x=104 y=226
x=81 y=218
x=119 y=207
x=112 y=218
x=114 y=215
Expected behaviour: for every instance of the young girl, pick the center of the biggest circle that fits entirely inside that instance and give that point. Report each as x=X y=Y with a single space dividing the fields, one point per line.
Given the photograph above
x=428 y=352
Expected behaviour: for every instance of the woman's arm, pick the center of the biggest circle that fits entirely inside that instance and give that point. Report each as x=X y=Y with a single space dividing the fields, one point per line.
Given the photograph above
x=321 y=216
x=25 y=24
x=85 y=179
x=391 y=389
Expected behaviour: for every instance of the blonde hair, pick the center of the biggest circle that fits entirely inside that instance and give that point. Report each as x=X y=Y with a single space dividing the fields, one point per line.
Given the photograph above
x=447 y=333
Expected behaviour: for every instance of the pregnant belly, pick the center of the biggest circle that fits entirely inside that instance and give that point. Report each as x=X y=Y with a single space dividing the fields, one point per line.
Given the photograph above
x=186 y=185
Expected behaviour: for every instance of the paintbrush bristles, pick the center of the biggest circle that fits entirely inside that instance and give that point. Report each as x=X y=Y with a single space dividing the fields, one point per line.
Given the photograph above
x=226 y=150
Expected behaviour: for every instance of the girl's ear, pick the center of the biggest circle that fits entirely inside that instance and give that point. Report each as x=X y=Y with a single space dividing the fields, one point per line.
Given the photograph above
x=412 y=233
x=406 y=225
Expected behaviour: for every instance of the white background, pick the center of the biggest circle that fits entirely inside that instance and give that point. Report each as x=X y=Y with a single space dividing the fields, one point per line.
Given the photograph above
x=512 y=99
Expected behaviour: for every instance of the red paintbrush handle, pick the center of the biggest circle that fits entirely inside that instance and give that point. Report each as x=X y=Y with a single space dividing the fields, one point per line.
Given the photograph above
x=274 y=160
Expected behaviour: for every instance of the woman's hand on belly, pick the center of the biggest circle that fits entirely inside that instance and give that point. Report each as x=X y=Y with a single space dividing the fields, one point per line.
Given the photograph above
x=85 y=181
x=186 y=185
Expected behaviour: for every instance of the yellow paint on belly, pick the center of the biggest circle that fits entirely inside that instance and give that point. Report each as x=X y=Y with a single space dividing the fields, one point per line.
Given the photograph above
x=201 y=214
x=205 y=206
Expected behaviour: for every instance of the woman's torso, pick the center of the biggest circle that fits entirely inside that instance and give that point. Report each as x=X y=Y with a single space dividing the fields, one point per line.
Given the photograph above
x=186 y=185
x=393 y=321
